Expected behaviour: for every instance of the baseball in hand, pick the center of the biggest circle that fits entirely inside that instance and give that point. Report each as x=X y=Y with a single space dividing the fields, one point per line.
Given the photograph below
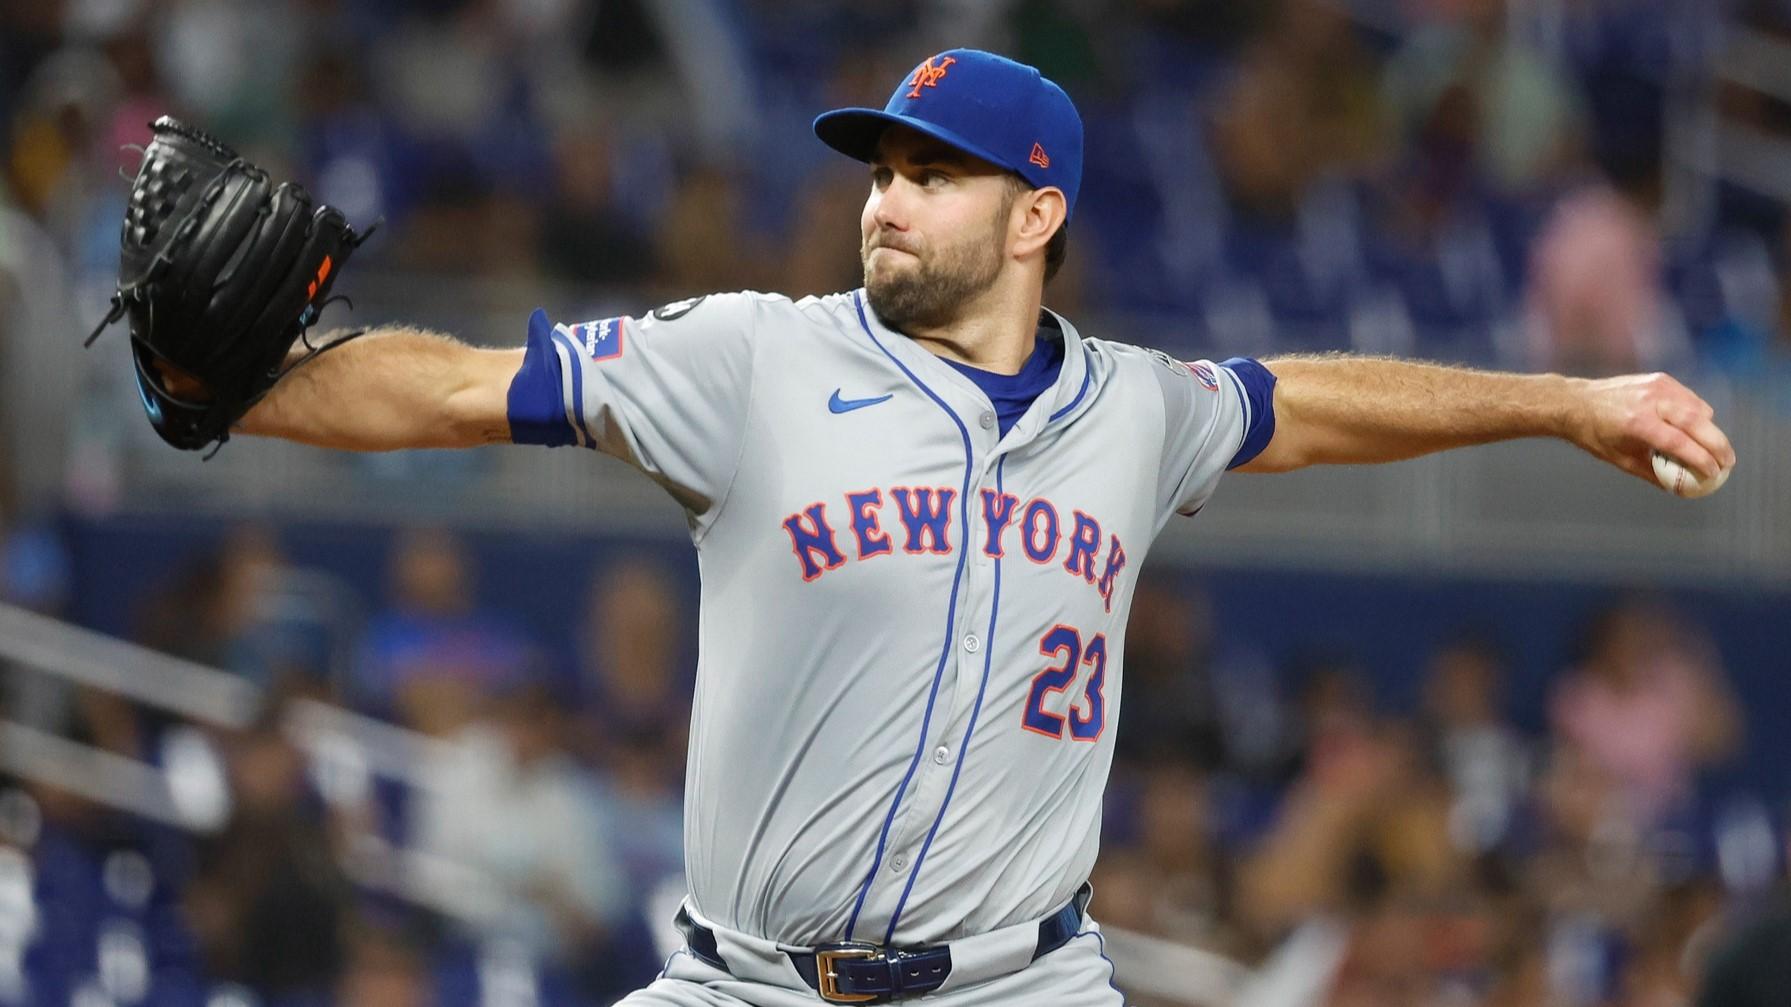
x=1682 y=481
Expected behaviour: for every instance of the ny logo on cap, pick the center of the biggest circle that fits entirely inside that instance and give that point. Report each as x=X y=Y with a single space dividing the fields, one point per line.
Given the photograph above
x=927 y=75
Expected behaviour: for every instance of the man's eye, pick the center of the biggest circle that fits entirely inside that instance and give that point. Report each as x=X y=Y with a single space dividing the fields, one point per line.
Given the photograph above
x=880 y=176
x=934 y=178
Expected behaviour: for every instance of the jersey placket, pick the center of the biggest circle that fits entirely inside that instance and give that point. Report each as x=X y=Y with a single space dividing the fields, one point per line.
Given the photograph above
x=927 y=797
x=974 y=626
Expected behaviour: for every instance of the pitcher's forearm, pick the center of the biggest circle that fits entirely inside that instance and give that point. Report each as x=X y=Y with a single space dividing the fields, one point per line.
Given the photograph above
x=392 y=388
x=1351 y=410
x=1357 y=410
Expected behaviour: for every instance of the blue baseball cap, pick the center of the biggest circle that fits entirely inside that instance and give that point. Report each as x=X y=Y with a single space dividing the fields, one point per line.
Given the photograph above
x=989 y=106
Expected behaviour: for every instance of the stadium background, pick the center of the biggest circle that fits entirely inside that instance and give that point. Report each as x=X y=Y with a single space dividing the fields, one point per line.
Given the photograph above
x=1497 y=728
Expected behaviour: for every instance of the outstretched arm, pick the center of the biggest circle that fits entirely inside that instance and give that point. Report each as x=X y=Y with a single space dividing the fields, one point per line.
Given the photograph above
x=1340 y=409
x=392 y=388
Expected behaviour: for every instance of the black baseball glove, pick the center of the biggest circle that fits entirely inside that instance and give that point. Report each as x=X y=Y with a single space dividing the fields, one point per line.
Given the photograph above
x=220 y=273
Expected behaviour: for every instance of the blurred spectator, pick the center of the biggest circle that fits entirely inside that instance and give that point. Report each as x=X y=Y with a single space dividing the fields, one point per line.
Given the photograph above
x=431 y=658
x=67 y=117
x=34 y=568
x=1476 y=102
x=268 y=903
x=1668 y=959
x=209 y=613
x=590 y=238
x=1213 y=23
x=39 y=378
x=1595 y=301
x=1605 y=883
x=704 y=242
x=1620 y=870
x=1190 y=878
x=84 y=105
x=1646 y=706
x=1484 y=757
x=10 y=297
x=824 y=239
x=1170 y=712
x=34 y=575
x=352 y=153
x=631 y=644
x=459 y=82
x=1368 y=816
x=1301 y=105
x=564 y=891
x=230 y=65
x=1334 y=702
x=383 y=969
x=1751 y=964
x=637 y=716
x=1362 y=852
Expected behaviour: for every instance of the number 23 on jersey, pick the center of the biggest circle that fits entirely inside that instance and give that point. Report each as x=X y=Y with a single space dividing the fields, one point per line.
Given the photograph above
x=1087 y=715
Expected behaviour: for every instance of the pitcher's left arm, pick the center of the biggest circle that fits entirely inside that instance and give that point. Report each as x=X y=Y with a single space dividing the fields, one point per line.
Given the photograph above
x=1348 y=410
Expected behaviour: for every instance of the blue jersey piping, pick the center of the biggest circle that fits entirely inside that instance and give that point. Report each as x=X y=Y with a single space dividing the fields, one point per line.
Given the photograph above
x=950 y=619
x=1112 y=972
x=1087 y=372
x=963 y=746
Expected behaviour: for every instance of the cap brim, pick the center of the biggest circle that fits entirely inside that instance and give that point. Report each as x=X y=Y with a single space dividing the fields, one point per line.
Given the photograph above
x=854 y=132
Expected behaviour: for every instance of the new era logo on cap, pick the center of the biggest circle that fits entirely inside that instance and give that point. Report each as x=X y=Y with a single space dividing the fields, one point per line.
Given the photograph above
x=985 y=105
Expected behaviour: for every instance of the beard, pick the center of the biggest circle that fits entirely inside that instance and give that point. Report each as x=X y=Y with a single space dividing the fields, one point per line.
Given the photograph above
x=932 y=292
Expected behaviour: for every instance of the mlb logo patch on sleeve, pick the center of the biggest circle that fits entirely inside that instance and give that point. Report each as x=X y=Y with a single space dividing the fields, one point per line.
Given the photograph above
x=601 y=339
x=1204 y=374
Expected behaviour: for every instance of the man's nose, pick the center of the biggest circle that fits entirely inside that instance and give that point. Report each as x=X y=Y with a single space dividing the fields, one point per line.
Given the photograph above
x=893 y=205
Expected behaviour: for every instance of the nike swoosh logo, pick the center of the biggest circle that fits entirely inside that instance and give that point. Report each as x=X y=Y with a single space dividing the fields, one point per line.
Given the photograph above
x=839 y=405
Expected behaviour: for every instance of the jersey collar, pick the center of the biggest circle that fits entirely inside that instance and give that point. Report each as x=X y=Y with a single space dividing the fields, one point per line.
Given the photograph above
x=1063 y=399
x=1071 y=392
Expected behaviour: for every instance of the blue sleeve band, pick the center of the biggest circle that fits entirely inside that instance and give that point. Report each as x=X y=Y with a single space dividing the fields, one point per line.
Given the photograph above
x=536 y=406
x=1258 y=385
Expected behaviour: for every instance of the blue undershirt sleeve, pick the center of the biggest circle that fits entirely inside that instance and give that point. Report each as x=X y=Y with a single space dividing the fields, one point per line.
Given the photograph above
x=536 y=404
x=1258 y=384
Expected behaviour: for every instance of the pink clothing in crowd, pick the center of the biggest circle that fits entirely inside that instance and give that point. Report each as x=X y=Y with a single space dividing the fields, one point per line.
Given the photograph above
x=1594 y=292
x=1641 y=732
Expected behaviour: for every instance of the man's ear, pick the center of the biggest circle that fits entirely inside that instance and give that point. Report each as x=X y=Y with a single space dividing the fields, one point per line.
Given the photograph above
x=1042 y=215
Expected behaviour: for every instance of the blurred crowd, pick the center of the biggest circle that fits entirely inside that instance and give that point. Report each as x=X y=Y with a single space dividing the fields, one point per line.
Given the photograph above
x=1489 y=180
x=1592 y=186
x=1443 y=854
x=526 y=837
x=1527 y=182
x=527 y=848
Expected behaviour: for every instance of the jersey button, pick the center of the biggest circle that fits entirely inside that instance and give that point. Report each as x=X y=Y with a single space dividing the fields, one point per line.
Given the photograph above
x=987 y=419
x=941 y=755
x=972 y=644
x=898 y=863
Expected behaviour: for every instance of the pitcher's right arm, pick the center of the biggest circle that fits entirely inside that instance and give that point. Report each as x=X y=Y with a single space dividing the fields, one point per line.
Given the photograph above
x=668 y=391
x=393 y=388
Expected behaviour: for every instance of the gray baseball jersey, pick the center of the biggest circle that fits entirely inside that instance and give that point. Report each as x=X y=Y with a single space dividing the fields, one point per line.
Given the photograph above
x=912 y=626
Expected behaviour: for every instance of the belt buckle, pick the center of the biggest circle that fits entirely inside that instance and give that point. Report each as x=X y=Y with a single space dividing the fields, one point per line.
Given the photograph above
x=826 y=982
